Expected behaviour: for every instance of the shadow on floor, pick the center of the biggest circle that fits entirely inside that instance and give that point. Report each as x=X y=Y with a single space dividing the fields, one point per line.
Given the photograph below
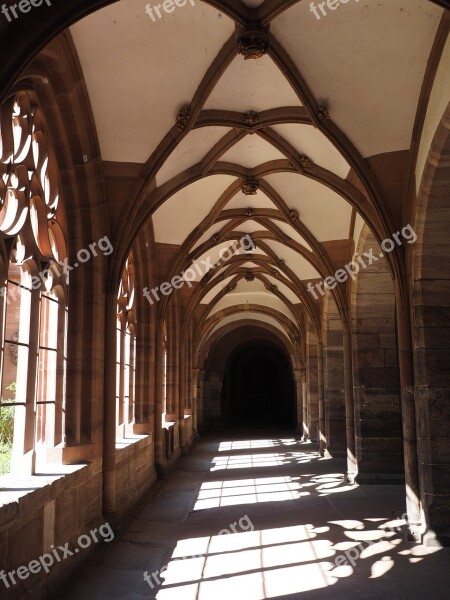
x=250 y=518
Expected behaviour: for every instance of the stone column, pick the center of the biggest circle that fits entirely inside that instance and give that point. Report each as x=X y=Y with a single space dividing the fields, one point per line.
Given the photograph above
x=158 y=394
x=299 y=399
x=200 y=391
x=183 y=359
x=173 y=362
x=305 y=407
x=320 y=385
x=334 y=388
x=377 y=398
x=406 y=370
x=109 y=412
x=145 y=368
x=312 y=381
x=352 y=468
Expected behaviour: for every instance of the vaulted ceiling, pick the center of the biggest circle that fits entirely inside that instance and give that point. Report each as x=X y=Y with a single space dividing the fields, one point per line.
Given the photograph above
x=276 y=147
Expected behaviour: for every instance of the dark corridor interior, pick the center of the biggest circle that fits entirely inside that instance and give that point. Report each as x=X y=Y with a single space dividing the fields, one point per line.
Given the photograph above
x=259 y=388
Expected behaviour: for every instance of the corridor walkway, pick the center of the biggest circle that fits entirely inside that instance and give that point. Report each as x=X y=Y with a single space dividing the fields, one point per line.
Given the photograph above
x=249 y=519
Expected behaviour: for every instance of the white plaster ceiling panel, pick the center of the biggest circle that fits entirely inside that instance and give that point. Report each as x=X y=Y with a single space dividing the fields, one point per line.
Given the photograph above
x=367 y=60
x=260 y=298
x=190 y=151
x=292 y=233
x=252 y=151
x=249 y=265
x=325 y=213
x=253 y=316
x=249 y=287
x=210 y=232
x=138 y=72
x=181 y=213
x=284 y=289
x=203 y=264
x=283 y=273
x=252 y=85
x=219 y=272
x=251 y=226
x=308 y=140
x=207 y=298
x=259 y=200
x=295 y=261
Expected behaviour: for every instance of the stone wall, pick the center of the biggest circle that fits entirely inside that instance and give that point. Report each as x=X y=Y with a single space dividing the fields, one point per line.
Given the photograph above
x=334 y=389
x=378 y=419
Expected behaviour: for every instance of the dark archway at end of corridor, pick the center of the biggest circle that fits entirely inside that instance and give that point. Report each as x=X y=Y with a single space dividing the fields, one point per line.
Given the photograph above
x=258 y=388
x=247 y=381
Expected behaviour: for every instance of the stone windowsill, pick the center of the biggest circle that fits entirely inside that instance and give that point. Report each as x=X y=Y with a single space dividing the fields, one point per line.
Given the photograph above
x=132 y=438
x=14 y=487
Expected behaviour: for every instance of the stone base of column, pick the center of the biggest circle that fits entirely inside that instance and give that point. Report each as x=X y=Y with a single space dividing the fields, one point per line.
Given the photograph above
x=439 y=537
x=351 y=477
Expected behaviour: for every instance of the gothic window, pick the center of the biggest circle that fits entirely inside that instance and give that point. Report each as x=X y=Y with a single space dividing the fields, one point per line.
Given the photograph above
x=33 y=287
x=125 y=352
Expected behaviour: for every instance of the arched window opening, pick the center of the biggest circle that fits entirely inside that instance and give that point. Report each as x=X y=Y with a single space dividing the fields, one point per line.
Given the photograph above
x=164 y=373
x=126 y=353
x=52 y=368
x=33 y=314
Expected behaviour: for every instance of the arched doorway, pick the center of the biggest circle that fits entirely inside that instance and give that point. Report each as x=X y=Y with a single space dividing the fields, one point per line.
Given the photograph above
x=249 y=380
x=258 y=388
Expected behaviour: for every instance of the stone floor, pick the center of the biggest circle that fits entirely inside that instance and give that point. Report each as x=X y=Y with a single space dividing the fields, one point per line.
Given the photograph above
x=249 y=519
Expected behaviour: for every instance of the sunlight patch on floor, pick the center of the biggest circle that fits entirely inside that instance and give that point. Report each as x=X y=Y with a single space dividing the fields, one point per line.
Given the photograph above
x=250 y=461
x=247 y=445
x=251 y=565
x=214 y=494
x=257 y=444
x=269 y=563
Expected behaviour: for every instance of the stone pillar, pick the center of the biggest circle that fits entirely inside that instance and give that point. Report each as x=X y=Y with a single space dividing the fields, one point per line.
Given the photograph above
x=431 y=298
x=320 y=386
x=298 y=377
x=305 y=408
x=145 y=369
x=334 y=384
x=173 y=362
x=183 y=370
x=159 y=396
x=195 y=398
x=200 y=400
x=378 y=415
x=406 y=370
x=352 y=469
x=312 y=381
x=109 y=413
